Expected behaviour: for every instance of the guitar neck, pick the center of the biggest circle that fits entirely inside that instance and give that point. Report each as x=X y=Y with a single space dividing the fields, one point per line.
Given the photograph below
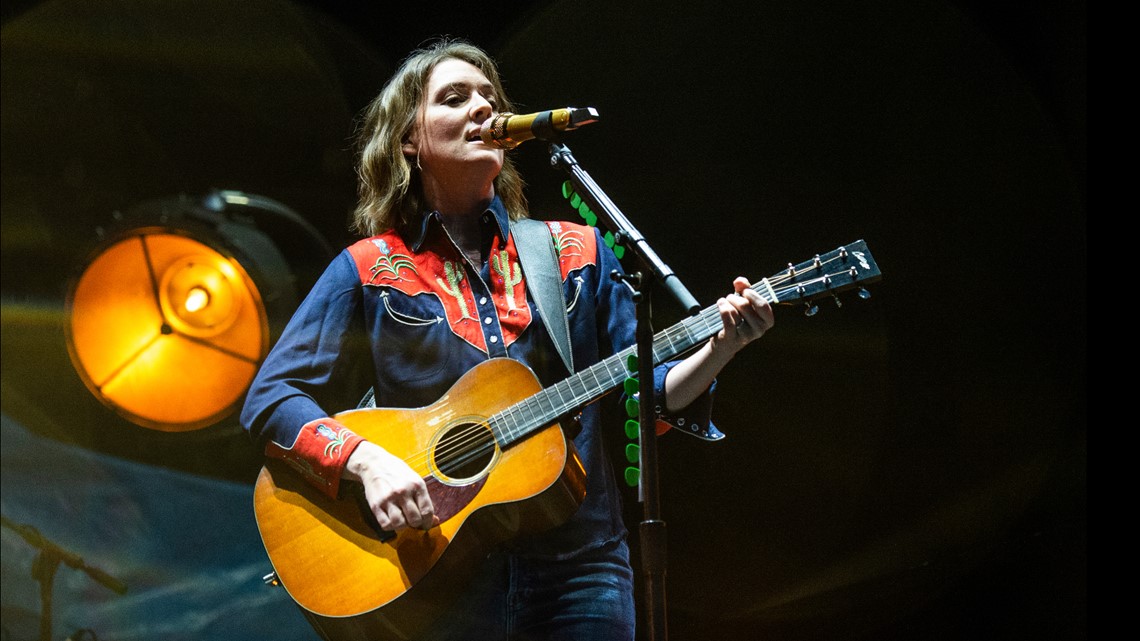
x=824 y=275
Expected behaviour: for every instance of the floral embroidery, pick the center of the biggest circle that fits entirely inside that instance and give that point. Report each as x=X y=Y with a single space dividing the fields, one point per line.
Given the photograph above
x=568 y=244
x=337 y=439
x=389 y=263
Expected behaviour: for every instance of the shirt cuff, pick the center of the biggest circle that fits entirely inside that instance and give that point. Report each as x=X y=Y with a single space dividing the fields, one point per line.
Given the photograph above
x=319 y=453
x=695 y=419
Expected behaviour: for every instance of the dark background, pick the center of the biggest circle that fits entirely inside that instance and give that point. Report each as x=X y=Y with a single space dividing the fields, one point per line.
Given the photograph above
x=908 y=467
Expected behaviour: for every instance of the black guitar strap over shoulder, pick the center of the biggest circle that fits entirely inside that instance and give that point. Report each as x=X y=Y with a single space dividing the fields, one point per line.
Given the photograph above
x=544 y=280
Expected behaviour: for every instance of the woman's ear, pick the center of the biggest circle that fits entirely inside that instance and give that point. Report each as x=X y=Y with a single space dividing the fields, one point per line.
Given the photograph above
x=409 y=147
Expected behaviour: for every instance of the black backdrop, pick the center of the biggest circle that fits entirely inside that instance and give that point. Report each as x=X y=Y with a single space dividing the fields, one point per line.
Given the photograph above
x=909 y=467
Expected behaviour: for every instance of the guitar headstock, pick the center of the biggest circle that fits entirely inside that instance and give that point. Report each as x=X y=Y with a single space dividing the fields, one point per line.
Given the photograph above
x=824 y=275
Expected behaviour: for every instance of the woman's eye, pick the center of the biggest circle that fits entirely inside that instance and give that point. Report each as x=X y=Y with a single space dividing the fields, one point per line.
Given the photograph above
x=453 y=100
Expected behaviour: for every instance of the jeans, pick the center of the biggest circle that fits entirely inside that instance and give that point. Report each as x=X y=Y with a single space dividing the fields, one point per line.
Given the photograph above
x=587 y=598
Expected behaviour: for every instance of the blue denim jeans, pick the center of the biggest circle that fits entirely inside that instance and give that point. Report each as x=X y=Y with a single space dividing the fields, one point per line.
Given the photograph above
x=587 y=598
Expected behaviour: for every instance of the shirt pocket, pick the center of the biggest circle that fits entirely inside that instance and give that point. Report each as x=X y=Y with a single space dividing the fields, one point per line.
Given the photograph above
x=415 y=342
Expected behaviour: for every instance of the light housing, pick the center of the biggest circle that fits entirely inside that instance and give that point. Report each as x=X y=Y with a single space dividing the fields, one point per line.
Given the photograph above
x=173 y=311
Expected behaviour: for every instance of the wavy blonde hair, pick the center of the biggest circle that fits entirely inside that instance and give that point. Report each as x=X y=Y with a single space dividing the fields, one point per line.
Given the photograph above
x=390 y=192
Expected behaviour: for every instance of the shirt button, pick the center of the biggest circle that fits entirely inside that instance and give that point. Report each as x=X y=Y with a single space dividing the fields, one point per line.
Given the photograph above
x=494 y=339
x=487 y=321
x=483 y=300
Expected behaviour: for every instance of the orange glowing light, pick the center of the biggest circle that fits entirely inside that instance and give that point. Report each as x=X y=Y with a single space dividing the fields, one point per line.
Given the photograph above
x=166 y=330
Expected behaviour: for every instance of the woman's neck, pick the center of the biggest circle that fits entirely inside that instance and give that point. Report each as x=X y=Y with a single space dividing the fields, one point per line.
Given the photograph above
x=460 y=206
x=467 y=234
x=458 y=195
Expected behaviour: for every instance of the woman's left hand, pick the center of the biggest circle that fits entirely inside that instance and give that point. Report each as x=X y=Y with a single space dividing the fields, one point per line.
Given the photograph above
x=746 y=316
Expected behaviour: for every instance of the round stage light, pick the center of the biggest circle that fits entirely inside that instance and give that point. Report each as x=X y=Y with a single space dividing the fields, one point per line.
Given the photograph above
x=167 y=331
x=168 y=323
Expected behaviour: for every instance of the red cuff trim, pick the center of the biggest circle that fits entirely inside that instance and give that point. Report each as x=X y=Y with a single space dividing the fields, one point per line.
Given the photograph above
x=319 y=453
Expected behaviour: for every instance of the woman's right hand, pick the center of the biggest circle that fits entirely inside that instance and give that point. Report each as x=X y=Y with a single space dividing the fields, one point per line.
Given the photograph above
x=397 y=496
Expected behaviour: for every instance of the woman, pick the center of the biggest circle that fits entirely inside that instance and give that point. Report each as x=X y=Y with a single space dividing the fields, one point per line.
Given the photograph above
x=434 y=291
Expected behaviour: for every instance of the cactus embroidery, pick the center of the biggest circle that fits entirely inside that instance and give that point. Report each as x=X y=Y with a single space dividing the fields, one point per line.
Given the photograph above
x=510 y=272
x=455 y=276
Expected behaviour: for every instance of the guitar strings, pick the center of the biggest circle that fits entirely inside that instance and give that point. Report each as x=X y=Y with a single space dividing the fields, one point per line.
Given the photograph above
x=469 y=442
x=464 y=443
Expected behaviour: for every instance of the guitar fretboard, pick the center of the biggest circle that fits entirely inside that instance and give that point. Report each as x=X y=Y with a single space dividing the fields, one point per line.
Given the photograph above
x=599 y=379
x=823 y=275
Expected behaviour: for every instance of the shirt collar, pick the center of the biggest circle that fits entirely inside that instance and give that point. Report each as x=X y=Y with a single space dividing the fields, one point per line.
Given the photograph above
x=495 y=209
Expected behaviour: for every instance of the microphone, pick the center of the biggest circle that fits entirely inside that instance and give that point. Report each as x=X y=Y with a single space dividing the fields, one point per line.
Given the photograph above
x=508 y=130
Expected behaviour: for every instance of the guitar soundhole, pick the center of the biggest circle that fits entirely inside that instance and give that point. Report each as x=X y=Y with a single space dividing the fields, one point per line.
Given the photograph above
x=464 y=452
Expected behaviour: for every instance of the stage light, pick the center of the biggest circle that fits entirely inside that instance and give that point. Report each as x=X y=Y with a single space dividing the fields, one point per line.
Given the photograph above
x=172 y=313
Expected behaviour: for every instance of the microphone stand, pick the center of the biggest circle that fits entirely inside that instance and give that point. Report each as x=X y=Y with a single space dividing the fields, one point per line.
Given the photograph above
x=652 y=528
x=47 y=562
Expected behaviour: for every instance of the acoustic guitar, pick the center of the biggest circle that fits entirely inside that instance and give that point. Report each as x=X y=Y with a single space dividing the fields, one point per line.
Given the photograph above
x=496 y=462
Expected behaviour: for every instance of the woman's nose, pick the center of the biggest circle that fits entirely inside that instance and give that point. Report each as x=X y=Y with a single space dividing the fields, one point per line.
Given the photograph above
x=481 y=108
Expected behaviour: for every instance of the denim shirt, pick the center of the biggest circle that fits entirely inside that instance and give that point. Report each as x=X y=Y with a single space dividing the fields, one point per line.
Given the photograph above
x=407 y=315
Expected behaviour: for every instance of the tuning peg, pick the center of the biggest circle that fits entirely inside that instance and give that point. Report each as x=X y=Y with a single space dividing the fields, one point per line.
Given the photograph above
x=863 y=293
x=810 y=309
x=827 y=282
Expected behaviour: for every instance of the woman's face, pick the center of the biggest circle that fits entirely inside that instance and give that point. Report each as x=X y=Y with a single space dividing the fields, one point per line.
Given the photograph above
x=445 y=138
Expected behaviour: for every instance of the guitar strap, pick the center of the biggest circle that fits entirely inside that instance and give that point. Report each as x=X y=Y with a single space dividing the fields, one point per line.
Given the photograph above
x=544 y=280
x=539 y=261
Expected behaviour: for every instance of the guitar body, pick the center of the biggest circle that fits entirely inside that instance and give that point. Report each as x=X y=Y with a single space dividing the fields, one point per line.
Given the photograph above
x=350 y=583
